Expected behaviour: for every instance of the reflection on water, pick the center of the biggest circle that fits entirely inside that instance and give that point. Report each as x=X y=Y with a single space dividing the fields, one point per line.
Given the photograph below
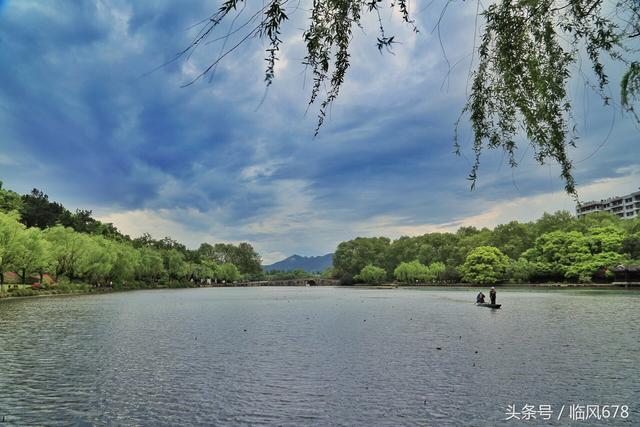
x=292 y=356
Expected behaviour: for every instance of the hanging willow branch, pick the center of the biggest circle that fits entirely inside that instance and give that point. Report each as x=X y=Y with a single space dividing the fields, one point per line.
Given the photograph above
x=526 y=53
x=327 y=39
x=519 y=87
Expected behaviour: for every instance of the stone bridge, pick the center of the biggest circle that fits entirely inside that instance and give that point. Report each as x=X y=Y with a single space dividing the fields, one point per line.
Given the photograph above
x=292 y=282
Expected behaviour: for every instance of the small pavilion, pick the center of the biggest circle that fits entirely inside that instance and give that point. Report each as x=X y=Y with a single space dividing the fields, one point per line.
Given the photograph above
x=626 y=275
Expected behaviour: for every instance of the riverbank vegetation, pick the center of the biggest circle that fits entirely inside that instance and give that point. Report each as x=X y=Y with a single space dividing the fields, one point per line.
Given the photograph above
x=556 y=248
x=44 y=248
x=52 y=250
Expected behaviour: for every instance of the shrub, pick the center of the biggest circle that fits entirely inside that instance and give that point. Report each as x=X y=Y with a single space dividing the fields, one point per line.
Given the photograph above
x=22 y=292
x=372 y=274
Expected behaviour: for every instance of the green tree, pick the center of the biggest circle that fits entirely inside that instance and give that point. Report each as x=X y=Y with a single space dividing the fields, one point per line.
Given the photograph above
x=521 y=270
x=406 y=249
x=100 y=257
x=227 y=272
x=585 y=270
x=632 y=226
x=35 y=254
x=372 y=274
x=512 y=238
x=220 y=252
x=605 y=239
x=11 y=243
x=70 y=251
x=557 y=221
x=352 y=256
x=9 y=200
x=412 y=272
x=38 y=211
x=598 y=219
x=82 y=222
x=468 y=241
x=144 y=241
x=174 y=263
x=127 y=262
x=247 y=259
x=427 y=249
x=631 y=246
x=556 y=251
x=439 y=247
x=151 y=266
x=485 y=265
x=328 y=273
x=243 y=256
x=437 y=271
x=207 y=251
x=209 y=269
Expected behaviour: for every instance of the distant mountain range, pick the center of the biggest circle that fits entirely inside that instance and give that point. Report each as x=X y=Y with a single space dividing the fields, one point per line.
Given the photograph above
x=307 y=263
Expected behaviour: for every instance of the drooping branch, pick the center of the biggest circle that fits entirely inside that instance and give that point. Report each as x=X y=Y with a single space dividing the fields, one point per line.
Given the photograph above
x=327 y=39
x=519 y=85
x=630 y=88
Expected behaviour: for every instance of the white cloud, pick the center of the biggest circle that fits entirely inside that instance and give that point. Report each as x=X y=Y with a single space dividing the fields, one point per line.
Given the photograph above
x=297 y=225
x=521 y=209
x=158 y=223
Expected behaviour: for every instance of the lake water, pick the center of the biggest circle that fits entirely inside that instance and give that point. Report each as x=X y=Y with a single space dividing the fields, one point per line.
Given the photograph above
x=317 y=356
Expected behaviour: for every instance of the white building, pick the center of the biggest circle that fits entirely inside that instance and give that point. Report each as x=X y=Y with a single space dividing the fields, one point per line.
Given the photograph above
x=627 y=206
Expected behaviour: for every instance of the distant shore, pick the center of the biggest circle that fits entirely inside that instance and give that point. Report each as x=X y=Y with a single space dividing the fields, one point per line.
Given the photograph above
x=500 y=285
x=503 y=286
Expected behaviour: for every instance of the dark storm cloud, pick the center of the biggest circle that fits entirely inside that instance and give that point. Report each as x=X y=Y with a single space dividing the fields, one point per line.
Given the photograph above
x=79 y=103
x=83 y=117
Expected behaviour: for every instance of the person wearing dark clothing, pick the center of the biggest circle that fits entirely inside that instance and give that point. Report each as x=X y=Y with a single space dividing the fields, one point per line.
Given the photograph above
x=492 y=295
x=480 y=298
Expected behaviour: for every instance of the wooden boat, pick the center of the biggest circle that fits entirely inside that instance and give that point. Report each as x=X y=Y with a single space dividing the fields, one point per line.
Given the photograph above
x=489 y=305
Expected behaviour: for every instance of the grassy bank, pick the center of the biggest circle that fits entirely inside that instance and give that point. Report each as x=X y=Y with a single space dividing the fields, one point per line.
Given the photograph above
x=63 y=289
x=21 y=291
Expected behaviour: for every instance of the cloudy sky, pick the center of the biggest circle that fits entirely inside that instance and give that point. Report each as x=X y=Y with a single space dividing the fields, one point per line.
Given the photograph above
x=82 y=119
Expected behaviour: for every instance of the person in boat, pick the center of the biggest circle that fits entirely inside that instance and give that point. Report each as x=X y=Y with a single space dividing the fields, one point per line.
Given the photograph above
x=492 y=295
x=480 y=298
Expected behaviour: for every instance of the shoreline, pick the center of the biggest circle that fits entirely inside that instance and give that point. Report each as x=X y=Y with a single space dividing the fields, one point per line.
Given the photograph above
x=440 y=286
x=604 y=286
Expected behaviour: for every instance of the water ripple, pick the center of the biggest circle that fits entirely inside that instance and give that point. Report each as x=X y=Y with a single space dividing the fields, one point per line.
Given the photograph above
x=300 y=356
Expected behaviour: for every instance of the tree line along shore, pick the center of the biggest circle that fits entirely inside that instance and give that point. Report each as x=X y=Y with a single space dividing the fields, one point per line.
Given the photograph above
x=556 y=248
x=44 y=248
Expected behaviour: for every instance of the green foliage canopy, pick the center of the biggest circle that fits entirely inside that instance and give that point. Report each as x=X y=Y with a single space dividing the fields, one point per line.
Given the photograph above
x=352 y=256
x=77 y=247
x=243 y=256
x=11 y=243
x=372 y=274
x=485 y=265
x=631 y=246
x=35 y=254
x=416 y=272
x=556 y=247
x=9 y=200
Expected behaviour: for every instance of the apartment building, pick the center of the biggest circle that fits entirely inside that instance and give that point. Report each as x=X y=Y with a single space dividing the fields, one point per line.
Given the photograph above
x=627 y=206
